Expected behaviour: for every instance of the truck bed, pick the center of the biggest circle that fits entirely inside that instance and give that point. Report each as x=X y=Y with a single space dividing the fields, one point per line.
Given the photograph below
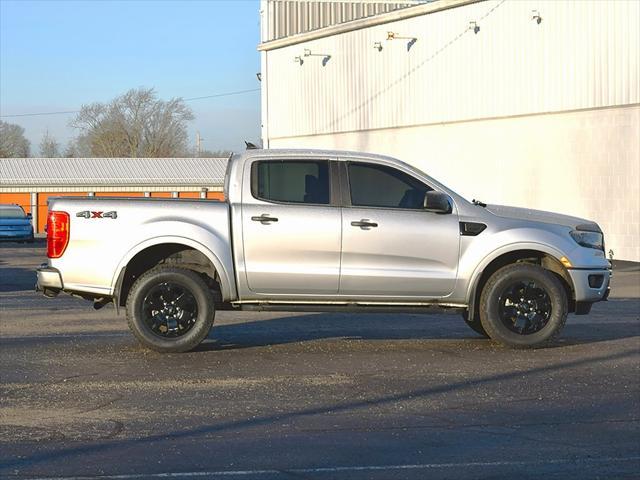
x=119 y=227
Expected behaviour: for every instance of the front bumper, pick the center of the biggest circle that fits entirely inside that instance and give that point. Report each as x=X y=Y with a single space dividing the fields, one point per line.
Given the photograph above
x=49 y=281
x=586 y=293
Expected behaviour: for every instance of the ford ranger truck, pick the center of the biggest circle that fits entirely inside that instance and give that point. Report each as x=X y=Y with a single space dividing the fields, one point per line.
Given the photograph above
x=305 y=230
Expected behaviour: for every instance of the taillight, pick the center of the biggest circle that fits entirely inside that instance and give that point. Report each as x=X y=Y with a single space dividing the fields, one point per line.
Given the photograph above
x=57 y=233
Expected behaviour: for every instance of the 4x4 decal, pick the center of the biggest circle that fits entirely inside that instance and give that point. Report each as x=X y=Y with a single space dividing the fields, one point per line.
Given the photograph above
x=90 y=214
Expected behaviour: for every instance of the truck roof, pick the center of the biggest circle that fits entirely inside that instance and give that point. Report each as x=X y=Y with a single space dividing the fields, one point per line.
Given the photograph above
x=306 y=152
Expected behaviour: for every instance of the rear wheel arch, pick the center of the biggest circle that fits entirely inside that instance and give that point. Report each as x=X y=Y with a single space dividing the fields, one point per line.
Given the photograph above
x=169 y=254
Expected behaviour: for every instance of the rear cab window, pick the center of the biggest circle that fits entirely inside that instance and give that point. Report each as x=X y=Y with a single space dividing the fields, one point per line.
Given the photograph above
x=291 y=181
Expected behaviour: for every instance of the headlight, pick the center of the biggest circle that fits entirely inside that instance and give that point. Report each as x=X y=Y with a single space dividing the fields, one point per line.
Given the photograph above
x=588 y=239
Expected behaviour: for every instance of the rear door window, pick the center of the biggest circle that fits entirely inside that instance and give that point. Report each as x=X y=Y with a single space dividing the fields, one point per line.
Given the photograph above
x=291 y=181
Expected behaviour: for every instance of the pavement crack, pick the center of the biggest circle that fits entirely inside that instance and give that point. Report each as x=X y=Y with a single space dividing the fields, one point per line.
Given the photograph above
x=102 y=405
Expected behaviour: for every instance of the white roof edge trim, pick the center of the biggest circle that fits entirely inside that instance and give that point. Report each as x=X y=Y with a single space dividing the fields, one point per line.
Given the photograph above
x=361 y=23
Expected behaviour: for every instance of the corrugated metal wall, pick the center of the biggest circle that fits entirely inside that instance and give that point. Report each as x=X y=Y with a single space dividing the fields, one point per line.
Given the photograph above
x=289 y=17
x=584 y=54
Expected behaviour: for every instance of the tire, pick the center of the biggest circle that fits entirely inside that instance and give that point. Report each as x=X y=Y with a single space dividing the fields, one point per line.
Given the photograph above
x=475 y=324
x=170 y=309
x=523 y=306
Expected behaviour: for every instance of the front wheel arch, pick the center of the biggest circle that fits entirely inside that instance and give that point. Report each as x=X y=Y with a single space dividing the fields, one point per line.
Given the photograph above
x=531 y=256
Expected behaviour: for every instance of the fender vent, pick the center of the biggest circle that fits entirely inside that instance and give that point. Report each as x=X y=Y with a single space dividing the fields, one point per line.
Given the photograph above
x=471 y=229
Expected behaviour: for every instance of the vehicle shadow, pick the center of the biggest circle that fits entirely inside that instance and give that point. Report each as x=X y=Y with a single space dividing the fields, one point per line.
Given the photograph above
x=16 y=279
x=340 y=326
x=378 y=326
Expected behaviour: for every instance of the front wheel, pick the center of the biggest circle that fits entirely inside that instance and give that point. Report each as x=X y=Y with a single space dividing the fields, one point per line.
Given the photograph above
x=474 y=324
x=523 y=306
x=170 y=309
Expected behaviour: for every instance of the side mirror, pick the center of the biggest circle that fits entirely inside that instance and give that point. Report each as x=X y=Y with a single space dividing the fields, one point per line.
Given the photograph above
x=437 y=202
x=29 y=216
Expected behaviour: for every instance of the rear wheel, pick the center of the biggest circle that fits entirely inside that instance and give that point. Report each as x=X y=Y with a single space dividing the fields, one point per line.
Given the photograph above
x=170 y=309
x=523 y=306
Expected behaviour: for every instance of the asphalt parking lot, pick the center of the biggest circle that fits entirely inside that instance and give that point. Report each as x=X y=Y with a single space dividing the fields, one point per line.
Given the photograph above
x=317 y=396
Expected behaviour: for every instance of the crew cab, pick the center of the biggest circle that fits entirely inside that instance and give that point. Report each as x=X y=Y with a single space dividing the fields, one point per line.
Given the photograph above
x=308 y=230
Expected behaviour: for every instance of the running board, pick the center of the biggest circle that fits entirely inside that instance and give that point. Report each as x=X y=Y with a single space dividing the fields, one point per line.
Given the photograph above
x=348 y=308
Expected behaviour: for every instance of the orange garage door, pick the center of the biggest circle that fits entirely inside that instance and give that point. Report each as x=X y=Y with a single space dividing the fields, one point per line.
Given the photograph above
x=189 y=194
x=22 y=199
x=215 y=195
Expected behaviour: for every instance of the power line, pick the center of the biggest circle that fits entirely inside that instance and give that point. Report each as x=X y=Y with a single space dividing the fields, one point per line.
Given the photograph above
x=67 y=112
x=227 y=94
x=40 y=113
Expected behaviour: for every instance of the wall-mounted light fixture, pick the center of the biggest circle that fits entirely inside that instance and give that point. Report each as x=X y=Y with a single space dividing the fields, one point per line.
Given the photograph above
x=298 y=60
x=474 y=26
x=395 y=36
x=378 y=46
x=325 y=57
x=536 y=16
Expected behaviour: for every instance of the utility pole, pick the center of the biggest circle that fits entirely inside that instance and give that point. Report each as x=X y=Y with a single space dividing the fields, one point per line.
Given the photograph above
x=198 y=144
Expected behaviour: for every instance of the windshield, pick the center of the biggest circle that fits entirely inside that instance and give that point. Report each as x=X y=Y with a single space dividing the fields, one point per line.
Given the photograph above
x=15 y=212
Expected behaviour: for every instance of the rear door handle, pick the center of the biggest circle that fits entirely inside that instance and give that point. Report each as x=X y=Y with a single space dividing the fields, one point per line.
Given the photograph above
x=364 y=224
x=264 y=219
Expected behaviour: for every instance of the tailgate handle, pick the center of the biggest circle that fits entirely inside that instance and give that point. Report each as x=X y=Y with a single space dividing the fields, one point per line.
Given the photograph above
x=264 y=219
x=364 y=224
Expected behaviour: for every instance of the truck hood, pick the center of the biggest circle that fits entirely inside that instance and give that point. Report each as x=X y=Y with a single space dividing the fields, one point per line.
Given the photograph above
x=542 y=216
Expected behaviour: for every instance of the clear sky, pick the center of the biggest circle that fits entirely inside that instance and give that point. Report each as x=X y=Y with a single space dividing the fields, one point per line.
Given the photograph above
x=57 y=55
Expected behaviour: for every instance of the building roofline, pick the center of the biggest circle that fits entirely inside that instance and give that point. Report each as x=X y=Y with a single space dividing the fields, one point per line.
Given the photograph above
x=167 y=172
x=366 y=22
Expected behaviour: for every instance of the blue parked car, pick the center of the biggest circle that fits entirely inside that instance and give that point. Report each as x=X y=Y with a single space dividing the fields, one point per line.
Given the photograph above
x=15 y=225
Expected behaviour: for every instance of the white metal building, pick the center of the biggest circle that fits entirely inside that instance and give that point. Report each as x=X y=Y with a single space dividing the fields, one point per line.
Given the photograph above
x=532 y=103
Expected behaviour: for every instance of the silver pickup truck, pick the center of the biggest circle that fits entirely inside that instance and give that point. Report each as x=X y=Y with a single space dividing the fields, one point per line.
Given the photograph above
x=304 y=230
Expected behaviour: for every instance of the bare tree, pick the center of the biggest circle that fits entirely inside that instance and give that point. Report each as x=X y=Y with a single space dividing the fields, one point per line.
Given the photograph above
x=78 y=148
x=12 y=141
x=49 y=148
x=136 y=124
x=215 y=154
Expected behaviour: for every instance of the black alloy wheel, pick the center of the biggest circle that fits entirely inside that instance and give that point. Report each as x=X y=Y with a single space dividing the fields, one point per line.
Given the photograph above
x=522 y=305
x=525 y=307
x=169 y=310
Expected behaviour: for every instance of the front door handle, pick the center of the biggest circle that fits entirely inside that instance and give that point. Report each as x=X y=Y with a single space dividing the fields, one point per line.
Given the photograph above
x=365 y=224
x=264 y=219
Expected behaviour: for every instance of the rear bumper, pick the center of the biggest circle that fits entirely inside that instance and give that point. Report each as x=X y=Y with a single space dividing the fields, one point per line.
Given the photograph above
x=584 y=291
x=49 y=281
